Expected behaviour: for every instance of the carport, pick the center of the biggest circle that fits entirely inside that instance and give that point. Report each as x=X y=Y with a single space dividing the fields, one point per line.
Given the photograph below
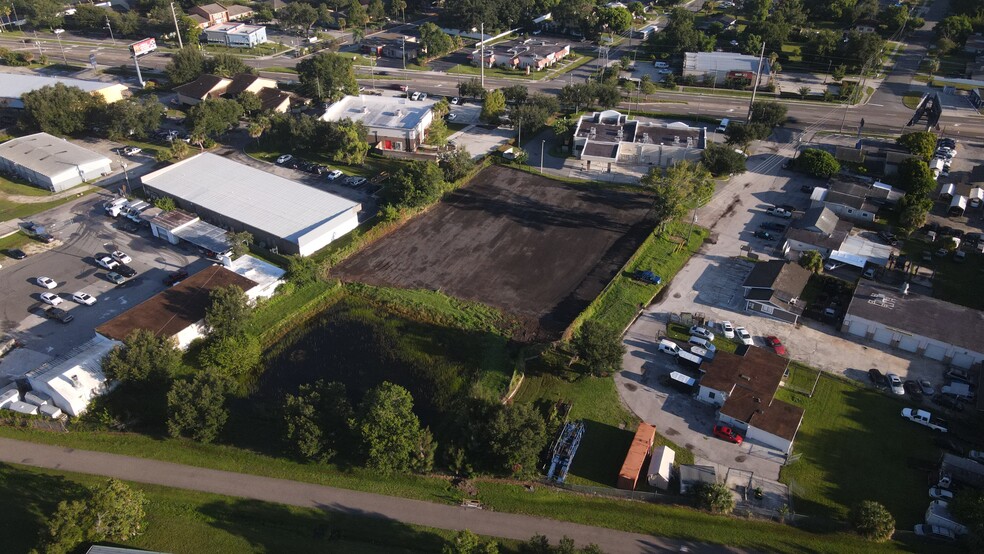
x=957 y=206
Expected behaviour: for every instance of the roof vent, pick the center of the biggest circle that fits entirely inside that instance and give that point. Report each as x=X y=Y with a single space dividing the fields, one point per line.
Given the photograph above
x=75 y=382
x=399 y=113
x=745 y=377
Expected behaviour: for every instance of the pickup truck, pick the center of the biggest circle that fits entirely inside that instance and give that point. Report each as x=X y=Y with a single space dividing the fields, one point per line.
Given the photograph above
x=923 y=417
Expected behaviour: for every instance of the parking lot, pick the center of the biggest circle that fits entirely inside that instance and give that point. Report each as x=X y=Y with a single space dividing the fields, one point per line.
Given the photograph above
x=82 y=230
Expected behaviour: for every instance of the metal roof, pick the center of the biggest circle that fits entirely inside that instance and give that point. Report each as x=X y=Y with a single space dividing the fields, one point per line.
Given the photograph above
x=48 y=155
x=380 y=111
x=14 y=85
x=204 y=235
x=704 y=62
x=281 y=207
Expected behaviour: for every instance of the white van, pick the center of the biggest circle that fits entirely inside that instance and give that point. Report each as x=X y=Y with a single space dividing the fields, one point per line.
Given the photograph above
x=669 y=347
x=703 y=343
x=724 y=125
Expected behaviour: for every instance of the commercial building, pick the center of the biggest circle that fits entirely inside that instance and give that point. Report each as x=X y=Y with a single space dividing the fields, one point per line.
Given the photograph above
x=14 y=85
x=530 y=54
x=391 y=45
x=609 y=137
x=177 y=313
x=73 y=380
x=916 y=323
x=394 y=123
x=743 y=385
x=209 y=14
x=773 y=289
x=236 y=35
x=175 y=226
x=50 y=162
x=722 y=65
x=201 y=89
x=281 y=214
x=854 y=199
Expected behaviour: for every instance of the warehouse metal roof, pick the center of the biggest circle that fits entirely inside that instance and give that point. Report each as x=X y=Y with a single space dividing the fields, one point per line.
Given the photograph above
x=281 y=207
x=379 y=111
x=704 y=62
x=48 y=155
x=14 y=85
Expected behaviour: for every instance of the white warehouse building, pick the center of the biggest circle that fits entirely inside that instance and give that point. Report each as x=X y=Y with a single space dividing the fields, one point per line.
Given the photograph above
x=292 y=217
x=916 y=323
x=50 y=162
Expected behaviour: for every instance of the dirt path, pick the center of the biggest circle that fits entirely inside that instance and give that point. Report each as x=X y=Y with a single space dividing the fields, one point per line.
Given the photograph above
x=25 y=199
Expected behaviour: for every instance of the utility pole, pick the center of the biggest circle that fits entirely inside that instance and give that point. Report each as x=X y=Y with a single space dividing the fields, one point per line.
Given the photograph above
x=482 y=65
x=177 y=30
x=58 y=33
x=38 y=44
x=543 y=143
x=758 y=76
x=110 y=27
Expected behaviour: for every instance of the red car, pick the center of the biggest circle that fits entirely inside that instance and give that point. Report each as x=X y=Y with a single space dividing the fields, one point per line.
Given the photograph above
x=776 y=345
x=728 y=434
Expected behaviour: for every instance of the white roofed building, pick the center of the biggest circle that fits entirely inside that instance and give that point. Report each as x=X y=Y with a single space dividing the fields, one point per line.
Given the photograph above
x=281 y=214
x=73 y=380
x=394 y=123
x=610 y=137
x=722 y=65
x=14 y=85
x=50 y=162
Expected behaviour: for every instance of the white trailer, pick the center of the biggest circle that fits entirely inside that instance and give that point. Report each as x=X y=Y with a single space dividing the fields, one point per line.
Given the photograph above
x=938 y=513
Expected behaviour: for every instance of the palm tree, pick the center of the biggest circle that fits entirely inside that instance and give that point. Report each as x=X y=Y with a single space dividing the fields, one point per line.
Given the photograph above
x=257 y=127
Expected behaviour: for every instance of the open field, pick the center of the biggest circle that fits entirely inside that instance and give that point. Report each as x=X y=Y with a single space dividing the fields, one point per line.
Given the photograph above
x=532 y=247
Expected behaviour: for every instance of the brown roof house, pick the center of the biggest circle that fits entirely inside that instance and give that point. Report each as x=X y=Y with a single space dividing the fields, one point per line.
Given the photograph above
x=209 y=14
x=202 y=88
x=743 y=385
x=773 y=289
x=178 y=312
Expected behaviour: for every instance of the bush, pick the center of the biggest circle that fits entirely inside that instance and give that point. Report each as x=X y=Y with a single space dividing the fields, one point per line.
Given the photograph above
x=872 y=521
x=818 y=163
x=721 y=160
x=716 y=498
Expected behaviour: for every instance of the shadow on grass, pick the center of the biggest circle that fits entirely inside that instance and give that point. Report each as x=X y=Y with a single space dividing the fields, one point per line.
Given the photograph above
x=275 y=528
x=30 y=499
x=601 y=453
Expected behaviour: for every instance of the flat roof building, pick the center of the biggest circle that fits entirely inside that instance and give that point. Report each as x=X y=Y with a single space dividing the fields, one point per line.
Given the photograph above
x=285 y=215
x=14 y=85
x=610 y=137
x=393 y=123
x=236 y=35
x=722 y=65
x=50 y=162
x=73 y=380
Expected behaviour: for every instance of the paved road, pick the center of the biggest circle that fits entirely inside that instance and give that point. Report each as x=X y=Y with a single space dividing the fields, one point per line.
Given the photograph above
x=317 y=496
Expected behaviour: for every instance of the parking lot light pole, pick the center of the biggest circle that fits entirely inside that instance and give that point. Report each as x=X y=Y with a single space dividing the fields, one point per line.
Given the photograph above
x=58 y=33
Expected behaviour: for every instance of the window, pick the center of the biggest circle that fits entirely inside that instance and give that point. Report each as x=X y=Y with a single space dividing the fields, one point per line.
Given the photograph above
x=710 y=394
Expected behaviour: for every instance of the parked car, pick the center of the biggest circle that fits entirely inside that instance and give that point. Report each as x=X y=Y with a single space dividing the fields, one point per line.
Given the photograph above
x=926 y=387
x=46 y=282
x=415 y=96
x=115 y=278
x=285 y=158
x=779 y=212
x=773 y=226
x=175 y=278
x=647 y=276
x=830 y=266
x=877 y=378
x=51 y=298
x=106 y=262
x=84 y=298
x=728 y=434
x=121 y=257
x=895 y=383
x=451 y=116
x=16 y=253
x=869 y=273
x=765 y=235
x=939 y=493
x=701 y=332
x=934 y=532
x=728 y=329
x=334 y=174
x=59 y=314
x=705 y=345
x=776 y=345
x=744 y=336
x=354 y=181
x=912 y=388
x=126 y=271
x=455 y=101
x=131 y=150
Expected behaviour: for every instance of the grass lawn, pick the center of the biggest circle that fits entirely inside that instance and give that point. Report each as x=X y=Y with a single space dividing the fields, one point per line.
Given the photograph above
x=13 y=210
x=193 y=522
x=911 y=99
x=801 y=377
x=854 y=446
x=15 y=240
x=23 y=189
x=717 y=91
x=664 y=254
x=279 y=69
x=953 y=282
x=463 y=69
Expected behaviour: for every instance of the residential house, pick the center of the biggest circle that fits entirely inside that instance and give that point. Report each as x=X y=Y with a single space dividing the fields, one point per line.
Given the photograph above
x=394 y=124
x=743 y=385
x=391 y=45
x=773 y=288
x=720 y=65
x=207 y=15
x=866 y=26
x=270 y=96
x=726 y=21
x=974 y=45
x=916 y=323
x=237 y=12
x=201 y=89
x=854 y=199
x=818 y=229
x=609 y=137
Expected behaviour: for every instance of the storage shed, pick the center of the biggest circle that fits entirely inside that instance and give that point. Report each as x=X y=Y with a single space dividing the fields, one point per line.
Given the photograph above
x=660 y=467
x=638 y=450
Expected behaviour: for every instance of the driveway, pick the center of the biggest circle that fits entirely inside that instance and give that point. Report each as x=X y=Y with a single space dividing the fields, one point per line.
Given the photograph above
x=417 y=512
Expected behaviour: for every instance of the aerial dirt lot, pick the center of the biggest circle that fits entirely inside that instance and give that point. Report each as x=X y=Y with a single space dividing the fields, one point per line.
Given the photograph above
x=537 y=249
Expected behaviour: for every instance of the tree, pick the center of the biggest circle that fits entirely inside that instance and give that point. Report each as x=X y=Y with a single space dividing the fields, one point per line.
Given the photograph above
x=317 y=420
x=456 y=165
x=466 y=542
x=821 y=45
x=40 y=14
x=471 y=88
x=915 y=177
x=417 y=184
x=327 y=76
x=920 y=143
x=599 y=346
x=185 y=66
x=767 y=113
x=112 y=512
x=142 y=356
x=58 y=109
x=955 y=27
x=298 y=15
x=227 y=65
x=377 y=11
x=913 y=209
x=515 y=94
x=435 y=41
x=872 y=521
x=608 y=95
x=347 y=140
x=250 y=102
x=165 y=203
x=493 y=107
x=812 y=260
x=398 y=8
x=893 y=17
x=228 y=311
x=196 y=408
x=968 y=506
x=741 y=134
x=515 y=434
x=721 y=160
x=390 y=432
x=357 y=14
x=614 y=20
x=818 y=163
x=838 y=73
x=302 y=270
x=136 y=117
x=437 y=133
x=680 y=35
x=214 y=116
x=577 y=96
x=239 y=242
x=714 y=497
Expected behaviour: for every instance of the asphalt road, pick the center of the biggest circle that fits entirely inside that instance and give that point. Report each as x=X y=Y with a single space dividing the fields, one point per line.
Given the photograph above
x=308 y=495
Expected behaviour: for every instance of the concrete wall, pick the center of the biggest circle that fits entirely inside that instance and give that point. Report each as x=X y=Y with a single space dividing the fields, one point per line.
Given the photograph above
x=764 y=437
x=771 y=311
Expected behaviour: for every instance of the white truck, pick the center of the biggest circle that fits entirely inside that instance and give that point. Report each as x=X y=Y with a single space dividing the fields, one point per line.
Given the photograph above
x=115 y=206
x=923 y=417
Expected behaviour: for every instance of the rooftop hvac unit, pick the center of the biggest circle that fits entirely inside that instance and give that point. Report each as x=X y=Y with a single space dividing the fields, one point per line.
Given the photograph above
x=75 y=381
x=399 y=113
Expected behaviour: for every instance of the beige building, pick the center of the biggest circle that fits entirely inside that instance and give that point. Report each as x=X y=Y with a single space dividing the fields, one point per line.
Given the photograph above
x=609 y=137
x=15 y=85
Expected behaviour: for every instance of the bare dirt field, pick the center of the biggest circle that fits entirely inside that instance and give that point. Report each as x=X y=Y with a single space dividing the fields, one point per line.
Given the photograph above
x=538 y=249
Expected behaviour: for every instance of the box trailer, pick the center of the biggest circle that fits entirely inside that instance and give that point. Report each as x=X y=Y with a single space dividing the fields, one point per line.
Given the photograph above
x=660 y=467
x=689 y=360
x=37 y=398
x=54 y=412
x=938 y=513
x=683 y=382
x=638 y=450
x=22 y=408
x=9 y=395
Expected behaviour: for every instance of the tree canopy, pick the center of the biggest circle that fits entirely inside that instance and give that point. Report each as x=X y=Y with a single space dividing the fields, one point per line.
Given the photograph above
x=721 y=160
x=111 y=512
x=317 y=420
x=136 y=117
x=872 y=521
x=493 y=107
x=915 y=177
x=435 y=41
x=228 y=311
x=59 y=109
x=214 y=116
x=196 y=408
x=327 y=76
x=919 y=143
x=812 y=260
x=680 y=35
x=392 y=438
x=186 y=65
x=599 y=346
x=142 y=356
x=417 y=184
x=818 y=163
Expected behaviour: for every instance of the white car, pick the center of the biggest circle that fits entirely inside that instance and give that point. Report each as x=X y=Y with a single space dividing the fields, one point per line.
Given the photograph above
x=51 y=298
x=121 y=257
x=939 y=493
x=334 y=174
x=107 y=263
x=131 y=151
x=285 y=158
x=84 y=298
x=895 y=383
x=423 y=96
x=744 y=336
x=452 y=116
x=701 y=332
x=46 y=282
x=415 y=96
x=779 y=212
x=455 y=101
x=728 y=329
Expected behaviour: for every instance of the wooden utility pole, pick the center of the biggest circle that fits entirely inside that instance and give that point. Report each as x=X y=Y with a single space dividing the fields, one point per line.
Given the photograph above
x=758 y=76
